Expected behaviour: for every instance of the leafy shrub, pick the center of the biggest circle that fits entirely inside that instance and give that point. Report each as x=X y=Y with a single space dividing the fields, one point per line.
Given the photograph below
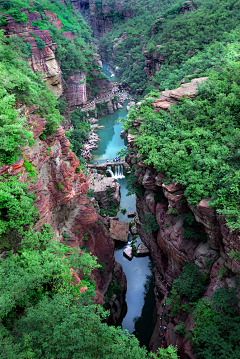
x=217 y=330
x=17 y=15
x=90 y=193
x=190 y=285
x=32 y=172
x=40 y=43
x=80 y=132
x=123 y=210
x=132 y=186
x=18 y=213
x=61 y=104
x=150 y=223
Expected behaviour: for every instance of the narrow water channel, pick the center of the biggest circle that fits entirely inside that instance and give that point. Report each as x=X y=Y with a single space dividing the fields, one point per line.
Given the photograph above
x=140 y=299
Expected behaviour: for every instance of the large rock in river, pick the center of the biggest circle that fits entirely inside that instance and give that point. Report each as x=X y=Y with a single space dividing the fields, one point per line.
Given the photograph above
x=119 y=230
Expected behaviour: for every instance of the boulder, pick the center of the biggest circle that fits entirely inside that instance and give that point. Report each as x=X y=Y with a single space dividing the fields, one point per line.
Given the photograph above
x=128 y=253
x=131 y=214
x=133 y=229
x=142 y=250
x=119 y=230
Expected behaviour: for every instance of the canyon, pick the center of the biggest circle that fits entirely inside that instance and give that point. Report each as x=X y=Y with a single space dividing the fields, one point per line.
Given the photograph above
x=170 y=249
x=61 y=188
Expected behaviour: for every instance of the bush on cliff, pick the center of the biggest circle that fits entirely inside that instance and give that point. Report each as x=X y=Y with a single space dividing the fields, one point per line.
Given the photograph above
x=217 y=330
x=80 y=131
x=19 y=85
x=196 y=143
x=43 y=314
x=190 y=285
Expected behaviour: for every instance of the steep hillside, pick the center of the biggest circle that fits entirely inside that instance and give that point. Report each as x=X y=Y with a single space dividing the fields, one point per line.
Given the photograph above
x=184 y=159
x=179 y=39
x=103 y=15
x=56 y=256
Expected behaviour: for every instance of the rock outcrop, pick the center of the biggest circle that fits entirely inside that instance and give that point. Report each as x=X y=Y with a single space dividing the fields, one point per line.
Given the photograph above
x=60 y=189
x=171 y=96
x=106 y=190
x=119 y=230
x=170 y=247
x=100 y=15
x=42 y=61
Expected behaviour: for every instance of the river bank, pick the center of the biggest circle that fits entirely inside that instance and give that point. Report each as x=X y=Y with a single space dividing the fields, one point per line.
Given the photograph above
x=140 y=312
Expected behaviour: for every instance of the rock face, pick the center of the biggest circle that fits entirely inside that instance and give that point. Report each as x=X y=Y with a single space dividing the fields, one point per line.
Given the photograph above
x=76 y=91
x=61 y=201
x=42 y=61
x=169 y=247
x=99 y=16
x=106 y=190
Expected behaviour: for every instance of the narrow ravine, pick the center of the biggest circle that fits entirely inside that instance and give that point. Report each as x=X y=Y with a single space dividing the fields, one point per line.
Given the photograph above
x=140 y=299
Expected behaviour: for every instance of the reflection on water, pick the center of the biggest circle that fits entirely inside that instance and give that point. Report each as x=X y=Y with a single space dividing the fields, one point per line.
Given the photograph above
x=140 y=295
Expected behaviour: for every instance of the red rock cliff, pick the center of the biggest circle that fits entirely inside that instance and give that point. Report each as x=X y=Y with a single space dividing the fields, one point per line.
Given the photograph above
x=62 y=202
x=169 y=247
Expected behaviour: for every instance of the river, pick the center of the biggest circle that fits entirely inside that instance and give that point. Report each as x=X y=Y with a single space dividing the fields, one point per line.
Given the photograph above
x=140 y=299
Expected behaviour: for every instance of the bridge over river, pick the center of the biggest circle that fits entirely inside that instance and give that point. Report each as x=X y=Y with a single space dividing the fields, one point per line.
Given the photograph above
x=103 y=166
x=114 y=168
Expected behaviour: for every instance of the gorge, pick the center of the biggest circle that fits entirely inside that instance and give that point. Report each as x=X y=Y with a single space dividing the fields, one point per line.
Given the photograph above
x=61 y=267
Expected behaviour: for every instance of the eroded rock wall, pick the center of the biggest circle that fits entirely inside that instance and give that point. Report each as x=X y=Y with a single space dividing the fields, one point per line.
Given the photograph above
x=99 y=14
x=61 y=200
x=170 y=246
x=75 y=88
x=42 y=61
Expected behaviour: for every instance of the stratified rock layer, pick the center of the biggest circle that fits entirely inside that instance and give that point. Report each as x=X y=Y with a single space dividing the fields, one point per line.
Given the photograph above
x=210 y=243
x=60 y=190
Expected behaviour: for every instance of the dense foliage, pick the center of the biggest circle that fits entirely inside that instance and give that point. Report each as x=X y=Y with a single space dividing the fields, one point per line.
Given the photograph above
x=191 y=42
x=43 y=314
x=80 y=131
x=18 y=83
x=197 y=142
x=189 y=285
x=217 y=332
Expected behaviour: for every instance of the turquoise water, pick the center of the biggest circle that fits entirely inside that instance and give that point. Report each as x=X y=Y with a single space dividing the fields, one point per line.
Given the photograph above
x=106 y=72
x=110 y=141
x=140 y=296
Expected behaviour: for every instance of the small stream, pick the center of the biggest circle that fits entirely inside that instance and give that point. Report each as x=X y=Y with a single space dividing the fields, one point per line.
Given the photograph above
x=139 y=319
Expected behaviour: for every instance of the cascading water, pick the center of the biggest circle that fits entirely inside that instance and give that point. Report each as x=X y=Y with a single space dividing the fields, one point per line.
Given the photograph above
x=119 y=171
x=140 y=295
x=94 y=170
x=109 y=169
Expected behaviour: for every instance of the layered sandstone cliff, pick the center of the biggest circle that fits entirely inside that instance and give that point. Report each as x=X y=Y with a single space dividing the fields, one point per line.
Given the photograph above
x=100 y=14
x=208 y=246
x=61 y=200
x=42 y=61
x=75 y=88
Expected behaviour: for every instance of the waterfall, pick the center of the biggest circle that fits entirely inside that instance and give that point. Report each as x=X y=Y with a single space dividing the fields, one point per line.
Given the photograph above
x=119 y=171
x=94 y=170
x=109 y=169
